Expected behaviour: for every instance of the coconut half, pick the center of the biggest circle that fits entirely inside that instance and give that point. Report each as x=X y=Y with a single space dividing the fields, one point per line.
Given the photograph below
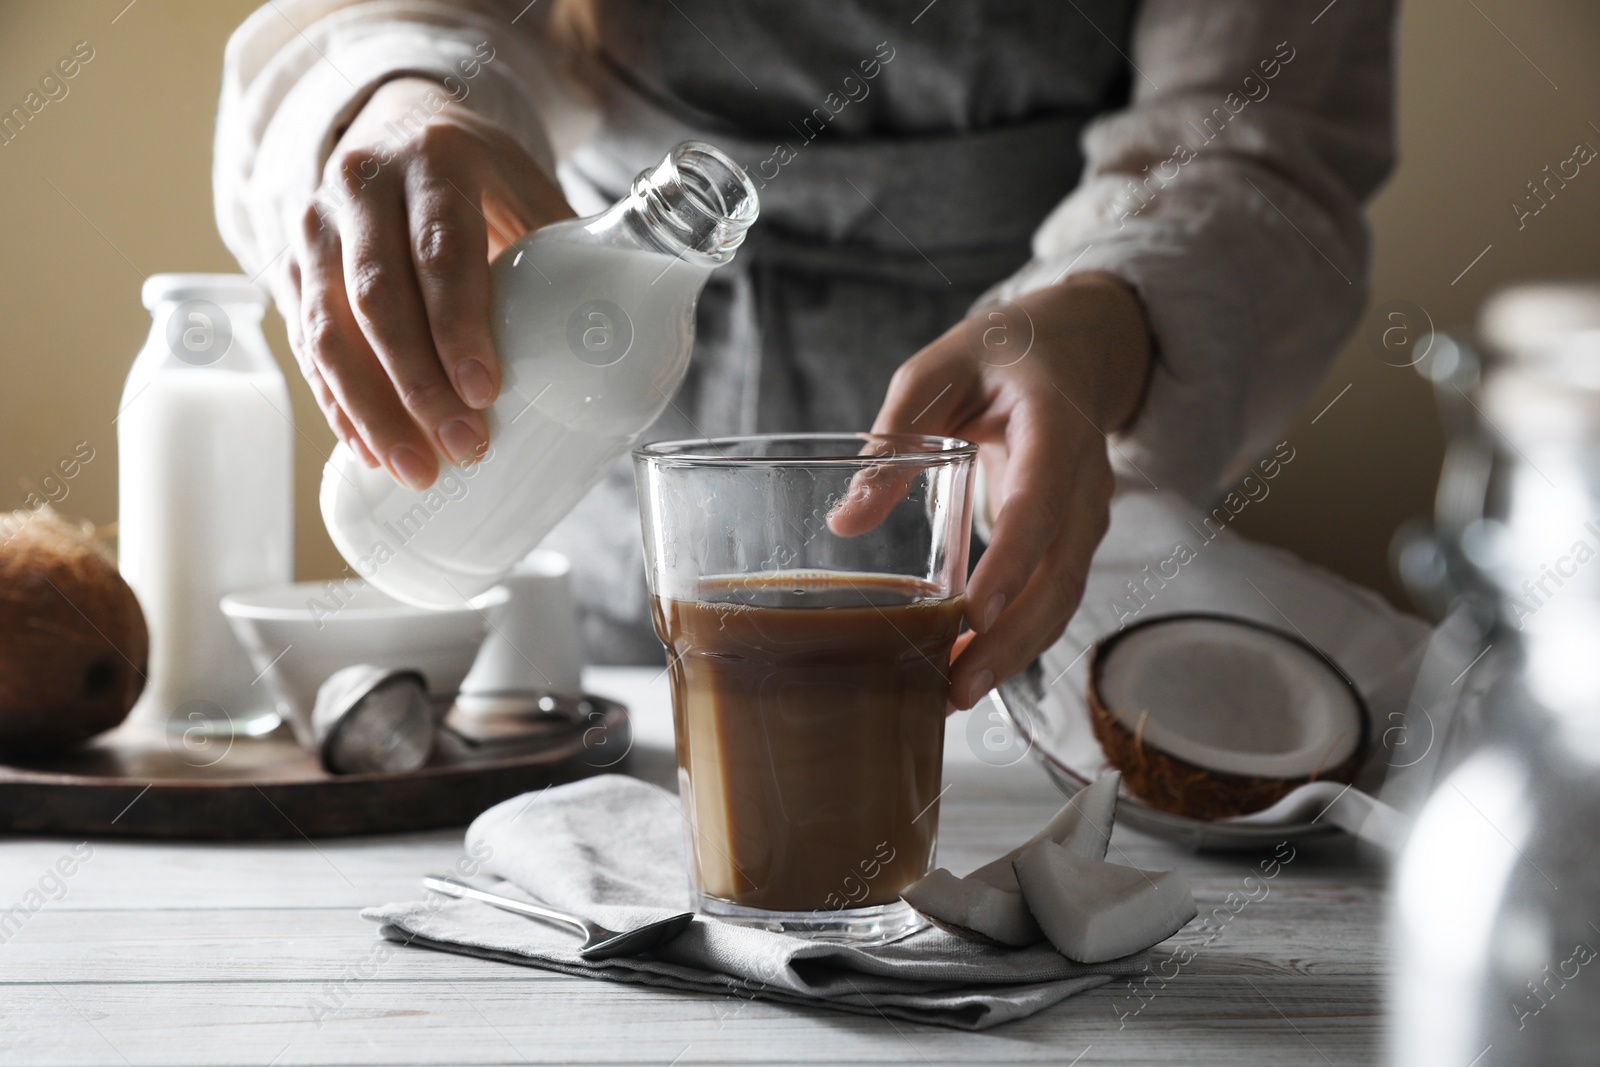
x=1093 y=911
x=1213 y=717
x=987 y=904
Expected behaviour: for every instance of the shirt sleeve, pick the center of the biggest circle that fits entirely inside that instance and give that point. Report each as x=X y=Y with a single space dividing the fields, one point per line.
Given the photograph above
x=297 y=72
x=1229 y=195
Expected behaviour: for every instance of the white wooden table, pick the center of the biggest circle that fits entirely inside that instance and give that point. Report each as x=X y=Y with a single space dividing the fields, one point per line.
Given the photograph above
x=254 y=954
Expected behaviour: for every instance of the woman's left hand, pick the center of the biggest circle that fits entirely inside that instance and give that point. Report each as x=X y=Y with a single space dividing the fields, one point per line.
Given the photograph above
x=1038 y=403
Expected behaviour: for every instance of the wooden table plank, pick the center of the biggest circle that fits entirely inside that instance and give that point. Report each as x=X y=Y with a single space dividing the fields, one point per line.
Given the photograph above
x=1280 y=937
x=254 y=953
x=1208 y=1021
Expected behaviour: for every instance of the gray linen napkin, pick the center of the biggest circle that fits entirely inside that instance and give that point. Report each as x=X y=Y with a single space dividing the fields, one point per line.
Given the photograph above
x=611 y=849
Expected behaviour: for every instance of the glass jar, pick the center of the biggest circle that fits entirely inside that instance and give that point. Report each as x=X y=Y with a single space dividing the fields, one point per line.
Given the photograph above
x=205 y=474
x=1496 y=921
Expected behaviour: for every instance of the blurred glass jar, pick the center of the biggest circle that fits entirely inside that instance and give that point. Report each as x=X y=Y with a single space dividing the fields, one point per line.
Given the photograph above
x=1496 y=921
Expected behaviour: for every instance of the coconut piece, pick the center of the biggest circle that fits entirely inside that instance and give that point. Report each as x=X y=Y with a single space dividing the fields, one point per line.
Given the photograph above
x=972 y=909
x=1093 y=911
x=1083 y=825
x=987 y=904
x=74 y=649
x=1213 y=717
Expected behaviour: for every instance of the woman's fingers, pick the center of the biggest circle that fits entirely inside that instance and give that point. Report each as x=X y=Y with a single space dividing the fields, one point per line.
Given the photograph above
x=333 y=343
x=450 y=251
x=1041 y=452
x=517 y=194
x=337 y=419
x=925 y=396
x=873 y=491
x=933 y=390
x=390 y=313
x=1040 y=612
x=963 y=639
x=387 y=302
x=288 y=295
x=1050 y=478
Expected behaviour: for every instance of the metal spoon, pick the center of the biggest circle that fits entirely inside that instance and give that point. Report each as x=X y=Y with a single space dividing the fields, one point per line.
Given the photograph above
x=599 y=943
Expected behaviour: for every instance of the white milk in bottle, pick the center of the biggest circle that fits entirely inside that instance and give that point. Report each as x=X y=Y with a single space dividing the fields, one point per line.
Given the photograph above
x=593 y=323
x=205 y=441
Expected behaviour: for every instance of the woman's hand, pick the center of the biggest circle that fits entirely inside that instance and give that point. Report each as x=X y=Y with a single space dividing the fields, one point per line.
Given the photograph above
x=387 y=282
x=1038 y=403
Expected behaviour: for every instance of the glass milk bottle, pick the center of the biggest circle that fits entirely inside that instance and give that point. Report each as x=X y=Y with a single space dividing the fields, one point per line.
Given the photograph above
x=1496 y=921
x=205 y=441
x=593 y=321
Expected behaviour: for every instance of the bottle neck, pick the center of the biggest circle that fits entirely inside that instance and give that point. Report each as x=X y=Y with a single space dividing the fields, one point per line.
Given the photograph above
x=1540 y=525
x=1539 y=538
x=695 y=205
x=203 y=333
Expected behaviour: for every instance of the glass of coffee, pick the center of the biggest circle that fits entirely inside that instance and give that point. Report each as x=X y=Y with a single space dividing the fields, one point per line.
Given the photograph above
x=808 y=589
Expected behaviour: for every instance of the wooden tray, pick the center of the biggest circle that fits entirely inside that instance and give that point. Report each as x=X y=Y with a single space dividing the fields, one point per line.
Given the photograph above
x=135 y=782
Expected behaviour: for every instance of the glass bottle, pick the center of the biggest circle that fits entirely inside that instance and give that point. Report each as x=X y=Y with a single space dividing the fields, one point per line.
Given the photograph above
x=205 y=442
x=593 y=322
x=1496 y=922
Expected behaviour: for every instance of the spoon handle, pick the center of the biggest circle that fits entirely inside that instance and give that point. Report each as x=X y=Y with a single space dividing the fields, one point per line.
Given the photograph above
x=450 y=887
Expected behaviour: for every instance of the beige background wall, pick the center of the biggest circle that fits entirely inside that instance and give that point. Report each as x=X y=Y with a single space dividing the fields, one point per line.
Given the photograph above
x=113 y=182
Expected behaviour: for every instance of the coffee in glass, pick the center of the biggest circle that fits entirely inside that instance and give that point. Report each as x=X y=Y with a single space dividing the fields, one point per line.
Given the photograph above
x=809 y=591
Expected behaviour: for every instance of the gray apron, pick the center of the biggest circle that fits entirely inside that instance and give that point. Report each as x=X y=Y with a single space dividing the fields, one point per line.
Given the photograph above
x=871 y=242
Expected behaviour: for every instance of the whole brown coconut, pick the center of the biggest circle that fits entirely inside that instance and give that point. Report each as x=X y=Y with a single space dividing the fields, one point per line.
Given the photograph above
x=74 y=649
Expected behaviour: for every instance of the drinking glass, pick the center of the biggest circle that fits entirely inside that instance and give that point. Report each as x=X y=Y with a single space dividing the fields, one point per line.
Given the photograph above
x=808 y=589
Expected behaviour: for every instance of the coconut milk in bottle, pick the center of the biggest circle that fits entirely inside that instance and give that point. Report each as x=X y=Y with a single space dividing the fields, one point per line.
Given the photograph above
x=205 y=443
x=593 y=322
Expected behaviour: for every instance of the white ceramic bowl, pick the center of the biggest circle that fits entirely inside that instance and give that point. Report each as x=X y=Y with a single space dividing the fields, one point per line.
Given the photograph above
x=299 y=635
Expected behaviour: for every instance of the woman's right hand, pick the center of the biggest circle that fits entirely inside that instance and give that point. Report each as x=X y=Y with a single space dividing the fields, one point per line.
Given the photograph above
x=387 y=280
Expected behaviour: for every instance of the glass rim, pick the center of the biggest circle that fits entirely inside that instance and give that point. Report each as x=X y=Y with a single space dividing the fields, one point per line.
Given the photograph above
x=909 y=449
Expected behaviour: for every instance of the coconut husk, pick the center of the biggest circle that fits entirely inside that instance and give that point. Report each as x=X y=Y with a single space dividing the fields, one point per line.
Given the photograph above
x=74 y=649
x=1170 y=784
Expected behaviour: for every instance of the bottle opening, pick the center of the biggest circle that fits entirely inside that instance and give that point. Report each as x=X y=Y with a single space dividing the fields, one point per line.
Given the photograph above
x=698 y=201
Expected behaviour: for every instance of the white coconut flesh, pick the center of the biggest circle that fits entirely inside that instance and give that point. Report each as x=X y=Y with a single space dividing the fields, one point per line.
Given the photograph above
x=1083 y=825
x=1093 y=911
x=973 y=909
x=1231 y=698
x=988 y=903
